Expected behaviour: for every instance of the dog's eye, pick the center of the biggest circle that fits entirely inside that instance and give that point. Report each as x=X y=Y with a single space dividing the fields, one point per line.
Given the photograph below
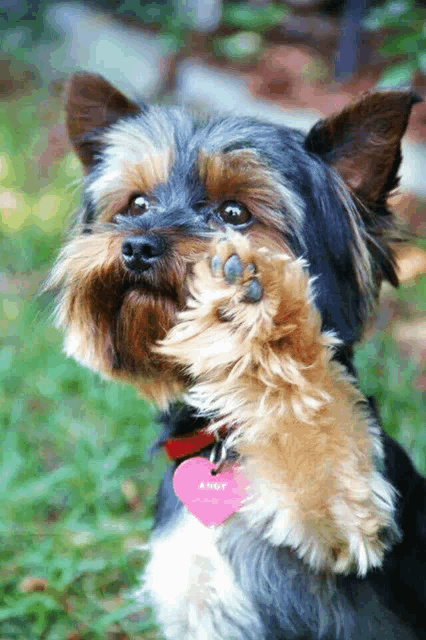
x=234 y=213
x=138 y=205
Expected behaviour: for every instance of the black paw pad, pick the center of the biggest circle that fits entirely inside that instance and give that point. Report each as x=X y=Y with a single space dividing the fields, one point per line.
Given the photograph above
x=254 y=291
x=233 y=269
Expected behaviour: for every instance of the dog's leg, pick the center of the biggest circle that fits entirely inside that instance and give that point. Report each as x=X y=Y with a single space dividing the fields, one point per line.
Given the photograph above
x=251 y=339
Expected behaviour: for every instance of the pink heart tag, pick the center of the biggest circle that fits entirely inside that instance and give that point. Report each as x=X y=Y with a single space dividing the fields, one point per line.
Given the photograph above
x=210 y=498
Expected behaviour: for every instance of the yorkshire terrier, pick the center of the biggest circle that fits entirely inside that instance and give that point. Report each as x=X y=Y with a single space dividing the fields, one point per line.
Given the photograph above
x=226 y=267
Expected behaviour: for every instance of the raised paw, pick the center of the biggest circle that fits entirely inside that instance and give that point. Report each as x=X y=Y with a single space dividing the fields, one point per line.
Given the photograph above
x=229 y=308
x=245 y=302
x=235 y=263
x=266 y=296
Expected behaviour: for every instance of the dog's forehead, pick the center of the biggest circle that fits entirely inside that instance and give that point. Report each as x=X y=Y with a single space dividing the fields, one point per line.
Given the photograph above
x=176 y=150
x=186 y=134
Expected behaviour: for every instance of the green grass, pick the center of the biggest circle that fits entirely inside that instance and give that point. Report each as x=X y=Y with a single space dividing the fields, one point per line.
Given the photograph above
x=390 y=372
x=76 y=481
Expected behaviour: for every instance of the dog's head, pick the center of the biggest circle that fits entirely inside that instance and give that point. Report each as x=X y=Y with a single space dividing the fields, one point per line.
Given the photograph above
x=158 y=183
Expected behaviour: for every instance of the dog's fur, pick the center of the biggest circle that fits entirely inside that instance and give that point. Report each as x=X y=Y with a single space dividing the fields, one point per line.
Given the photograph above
x=226 y=267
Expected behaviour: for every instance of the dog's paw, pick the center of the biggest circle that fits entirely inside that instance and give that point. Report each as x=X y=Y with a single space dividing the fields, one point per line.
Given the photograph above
x=230 y=282
x=246 y=304
x=235 y=265
x=230 y=309
x=264 y=295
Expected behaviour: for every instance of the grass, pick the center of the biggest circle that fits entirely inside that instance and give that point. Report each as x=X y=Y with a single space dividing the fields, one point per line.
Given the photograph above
x=76 y=479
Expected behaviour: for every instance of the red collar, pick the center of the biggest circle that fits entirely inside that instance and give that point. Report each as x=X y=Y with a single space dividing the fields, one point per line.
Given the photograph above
x=190 y=444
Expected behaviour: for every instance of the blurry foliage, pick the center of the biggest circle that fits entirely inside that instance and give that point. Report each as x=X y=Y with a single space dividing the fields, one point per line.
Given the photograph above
x=147 y=12
x=251 y=23
x=21 y=22
x=244 y=46
x=161 y=14
x=404 y=22
x=253 y=17
x=248 y=22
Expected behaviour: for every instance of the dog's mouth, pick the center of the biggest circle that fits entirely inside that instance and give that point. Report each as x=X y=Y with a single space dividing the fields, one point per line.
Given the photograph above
x=154 y=287
x=147 y=306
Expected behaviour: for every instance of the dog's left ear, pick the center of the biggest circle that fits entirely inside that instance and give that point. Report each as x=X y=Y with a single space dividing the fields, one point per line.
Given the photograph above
x=363 y=142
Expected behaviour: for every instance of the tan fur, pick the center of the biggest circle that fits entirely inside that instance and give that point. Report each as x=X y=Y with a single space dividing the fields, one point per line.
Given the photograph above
x=242 y=176
x=111 y=322
x=265 y=368
x=145 y=164
x=134 y=180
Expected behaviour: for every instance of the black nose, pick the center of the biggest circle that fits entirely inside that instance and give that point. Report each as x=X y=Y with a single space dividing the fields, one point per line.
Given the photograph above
x=142 y=252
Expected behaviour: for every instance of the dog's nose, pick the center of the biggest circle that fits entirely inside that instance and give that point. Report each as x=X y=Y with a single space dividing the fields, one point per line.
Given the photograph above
x=141 y=252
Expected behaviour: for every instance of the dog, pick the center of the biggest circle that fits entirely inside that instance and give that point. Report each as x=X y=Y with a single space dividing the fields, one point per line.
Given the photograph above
x=226 y=267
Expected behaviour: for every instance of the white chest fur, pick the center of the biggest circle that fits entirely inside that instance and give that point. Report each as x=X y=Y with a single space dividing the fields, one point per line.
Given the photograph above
x=192 y=586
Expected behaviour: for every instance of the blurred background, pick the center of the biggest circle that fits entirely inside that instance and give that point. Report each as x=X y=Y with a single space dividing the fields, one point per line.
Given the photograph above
x=77 y=483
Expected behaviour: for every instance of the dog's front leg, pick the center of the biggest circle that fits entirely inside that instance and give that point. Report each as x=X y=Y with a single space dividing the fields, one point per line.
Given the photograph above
x=251 y=340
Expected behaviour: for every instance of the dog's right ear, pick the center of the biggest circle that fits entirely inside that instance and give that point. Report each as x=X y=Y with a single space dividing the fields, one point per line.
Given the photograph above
x=362 y=142
x=93 y=104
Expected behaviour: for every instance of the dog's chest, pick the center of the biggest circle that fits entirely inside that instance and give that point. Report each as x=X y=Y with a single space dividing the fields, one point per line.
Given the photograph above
x=193 y=587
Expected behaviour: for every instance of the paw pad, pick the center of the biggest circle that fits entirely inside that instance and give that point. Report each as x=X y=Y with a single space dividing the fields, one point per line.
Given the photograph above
x=235 y=271
x=254 y=291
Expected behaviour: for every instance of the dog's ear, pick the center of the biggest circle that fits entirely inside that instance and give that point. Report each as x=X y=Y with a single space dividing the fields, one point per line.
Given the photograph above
x=363 y=142
x=92 y=104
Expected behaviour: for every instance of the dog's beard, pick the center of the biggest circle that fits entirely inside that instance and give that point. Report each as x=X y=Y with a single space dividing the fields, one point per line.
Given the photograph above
x=113 y=317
